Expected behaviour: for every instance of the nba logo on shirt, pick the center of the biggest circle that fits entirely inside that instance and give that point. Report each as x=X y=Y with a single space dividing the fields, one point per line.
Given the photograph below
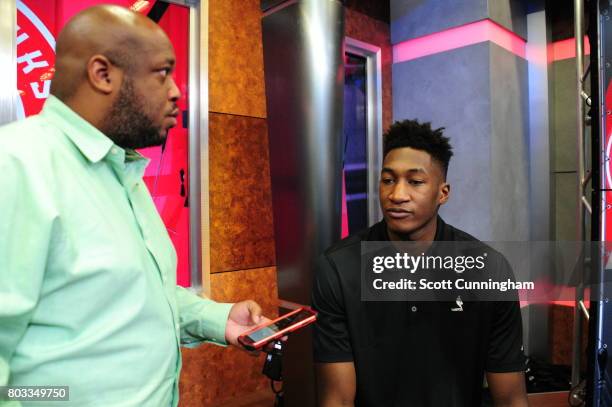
x=459 y=307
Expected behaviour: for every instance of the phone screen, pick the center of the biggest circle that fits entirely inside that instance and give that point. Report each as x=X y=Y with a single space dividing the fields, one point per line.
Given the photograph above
x=270 y=330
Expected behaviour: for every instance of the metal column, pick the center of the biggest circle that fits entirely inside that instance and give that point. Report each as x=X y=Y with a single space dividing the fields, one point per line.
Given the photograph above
x=304 y=73
x=599 y=370
x=8 y=61
x=581 y=183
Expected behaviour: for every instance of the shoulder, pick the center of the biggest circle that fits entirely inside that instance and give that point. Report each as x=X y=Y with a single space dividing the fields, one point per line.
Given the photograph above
x=453 y=234
x=351 y=245
x=341 y=262
x=28 y=140
x=346 y=245
x=30 y=151
x=466 y=240
x=469 y=244
x=21 y=131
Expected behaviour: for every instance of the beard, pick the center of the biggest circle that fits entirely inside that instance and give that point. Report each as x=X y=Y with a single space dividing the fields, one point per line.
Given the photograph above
x=128 y=125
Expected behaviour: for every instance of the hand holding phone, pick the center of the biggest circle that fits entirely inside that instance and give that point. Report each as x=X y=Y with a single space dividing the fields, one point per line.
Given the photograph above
x=259 y=336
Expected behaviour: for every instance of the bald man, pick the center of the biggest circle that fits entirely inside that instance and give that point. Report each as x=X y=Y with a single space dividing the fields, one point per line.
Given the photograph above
x=88 y=295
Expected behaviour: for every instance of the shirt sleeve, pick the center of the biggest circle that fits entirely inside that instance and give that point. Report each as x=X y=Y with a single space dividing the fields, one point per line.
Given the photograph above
x=331 y=339
x=25 y=229
x=201 y=319
x=505 y=352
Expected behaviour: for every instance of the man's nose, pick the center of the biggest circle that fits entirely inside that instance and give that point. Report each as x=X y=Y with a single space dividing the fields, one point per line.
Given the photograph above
x=174 y=93
x=400 y=193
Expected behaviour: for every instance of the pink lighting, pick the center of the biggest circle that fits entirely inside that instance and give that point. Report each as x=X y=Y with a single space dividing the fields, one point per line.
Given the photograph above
x=566 y=49
x=344 y=231
x=453 y=38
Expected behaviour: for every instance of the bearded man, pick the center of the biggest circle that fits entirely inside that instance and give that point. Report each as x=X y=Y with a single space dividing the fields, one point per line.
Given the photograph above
x=88 y=294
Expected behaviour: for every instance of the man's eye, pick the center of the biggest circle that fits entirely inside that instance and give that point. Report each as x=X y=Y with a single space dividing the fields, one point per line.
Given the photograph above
x=387 y=181
x=416 y=182
x=165 y=72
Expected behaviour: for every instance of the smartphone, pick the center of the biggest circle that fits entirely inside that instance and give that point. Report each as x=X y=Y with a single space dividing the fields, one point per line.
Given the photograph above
x=259 y=336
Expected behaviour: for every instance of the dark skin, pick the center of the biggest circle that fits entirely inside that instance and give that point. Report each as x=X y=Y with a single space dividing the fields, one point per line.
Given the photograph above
x=91 y=72
x=412 y=188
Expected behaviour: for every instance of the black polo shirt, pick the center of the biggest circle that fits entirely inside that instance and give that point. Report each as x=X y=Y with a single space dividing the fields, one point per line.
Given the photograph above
x=410 y=354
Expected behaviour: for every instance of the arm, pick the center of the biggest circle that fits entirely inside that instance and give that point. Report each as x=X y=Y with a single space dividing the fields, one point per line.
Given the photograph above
x=204 y=320
x=508 y=389
x=335 y=369
x=336 y=384
x=505 y=364
x=201 y=319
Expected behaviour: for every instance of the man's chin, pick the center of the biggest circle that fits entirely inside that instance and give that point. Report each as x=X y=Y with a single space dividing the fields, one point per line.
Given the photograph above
x=402 y=227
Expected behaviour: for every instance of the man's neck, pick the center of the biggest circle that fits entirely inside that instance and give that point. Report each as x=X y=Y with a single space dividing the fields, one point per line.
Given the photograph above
x=90 y=112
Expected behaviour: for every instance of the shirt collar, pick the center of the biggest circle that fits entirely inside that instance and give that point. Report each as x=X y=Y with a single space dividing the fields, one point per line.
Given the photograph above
x=380 y=232
x=441 y=231
x=92 y=143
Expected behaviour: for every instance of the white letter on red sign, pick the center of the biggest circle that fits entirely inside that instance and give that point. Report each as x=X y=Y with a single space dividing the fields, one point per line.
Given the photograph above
x=41 y=94
x=21 y=37
x=29 y=58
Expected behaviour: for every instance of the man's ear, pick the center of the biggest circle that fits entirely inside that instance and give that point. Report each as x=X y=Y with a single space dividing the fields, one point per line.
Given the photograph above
x=444 y=193
x=102 y=75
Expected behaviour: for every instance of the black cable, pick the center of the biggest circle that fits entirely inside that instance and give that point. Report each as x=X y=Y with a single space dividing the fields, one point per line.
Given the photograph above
x=158 y=10
x=273 y=370
x=279 y=401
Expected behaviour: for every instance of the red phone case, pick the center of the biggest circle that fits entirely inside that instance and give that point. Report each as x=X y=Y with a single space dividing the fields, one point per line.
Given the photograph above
x=248 y=344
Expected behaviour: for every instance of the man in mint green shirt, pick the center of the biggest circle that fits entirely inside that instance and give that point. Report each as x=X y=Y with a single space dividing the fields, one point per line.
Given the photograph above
x=88 y=294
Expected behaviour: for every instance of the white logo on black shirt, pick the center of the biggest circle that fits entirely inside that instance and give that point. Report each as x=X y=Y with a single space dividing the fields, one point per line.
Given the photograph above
x=459 y=307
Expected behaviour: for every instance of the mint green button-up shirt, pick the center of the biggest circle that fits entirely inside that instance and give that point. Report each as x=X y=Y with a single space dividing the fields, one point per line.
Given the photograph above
x=88 y=294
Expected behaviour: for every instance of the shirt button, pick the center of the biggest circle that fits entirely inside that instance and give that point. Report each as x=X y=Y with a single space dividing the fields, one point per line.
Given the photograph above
x=114 y=151
x=414 y=308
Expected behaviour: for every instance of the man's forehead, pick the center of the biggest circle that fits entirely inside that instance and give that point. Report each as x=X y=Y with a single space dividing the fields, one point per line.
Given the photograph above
x=407 y=156
x=156 y=40
x=158 y=49
x=407 y=160
x=163 y=59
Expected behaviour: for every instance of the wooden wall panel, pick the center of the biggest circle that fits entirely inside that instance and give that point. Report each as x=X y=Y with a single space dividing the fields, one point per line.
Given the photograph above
x=256 y=284
x=561 y=335
x=236 y=75
x=242 y=230
x=213 y=375
x=367 y=29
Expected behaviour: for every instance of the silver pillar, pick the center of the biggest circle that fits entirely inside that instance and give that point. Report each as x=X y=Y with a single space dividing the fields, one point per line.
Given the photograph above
x=8 y=61
x=199 y=202
x=581 y=175
x=304 y=73
x=536 y=316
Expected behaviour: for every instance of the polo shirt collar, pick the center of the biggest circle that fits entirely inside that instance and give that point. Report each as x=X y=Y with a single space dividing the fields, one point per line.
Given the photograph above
x=92 y=143
x=380 y=232
x=442 y=232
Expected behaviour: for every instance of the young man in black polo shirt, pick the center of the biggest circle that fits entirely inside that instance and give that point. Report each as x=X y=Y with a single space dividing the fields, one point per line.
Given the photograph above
x=411 y=354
